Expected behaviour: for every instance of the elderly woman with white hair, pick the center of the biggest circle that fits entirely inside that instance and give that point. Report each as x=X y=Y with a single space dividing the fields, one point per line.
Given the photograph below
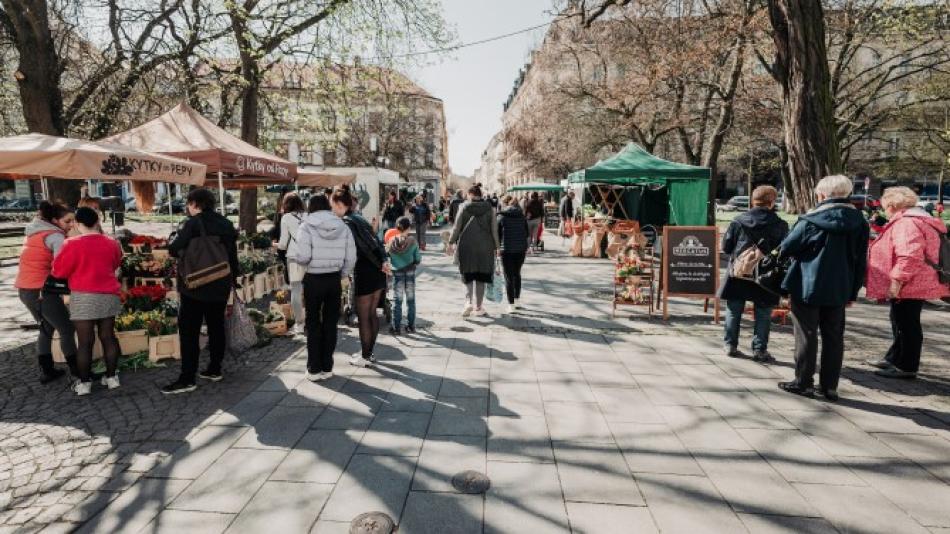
x=900 y=270
x=828 y=248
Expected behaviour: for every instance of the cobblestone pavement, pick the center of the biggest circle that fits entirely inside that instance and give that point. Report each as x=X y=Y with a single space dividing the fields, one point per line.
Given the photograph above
x=583 y=423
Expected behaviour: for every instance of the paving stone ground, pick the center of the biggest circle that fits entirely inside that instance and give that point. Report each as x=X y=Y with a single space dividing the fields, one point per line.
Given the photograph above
x=583 y=422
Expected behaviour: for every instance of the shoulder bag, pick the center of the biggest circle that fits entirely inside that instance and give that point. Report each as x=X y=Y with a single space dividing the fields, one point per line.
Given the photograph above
x=204 y=260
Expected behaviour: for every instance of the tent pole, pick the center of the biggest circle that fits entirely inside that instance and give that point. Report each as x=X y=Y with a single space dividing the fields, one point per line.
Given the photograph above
x=224 y=211
x=168 y=191
x=44 y=188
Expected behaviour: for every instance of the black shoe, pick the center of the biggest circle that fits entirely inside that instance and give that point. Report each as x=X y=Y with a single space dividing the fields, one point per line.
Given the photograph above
x=51 y=375
x=410 y=330
x=830 y=395
x=394 y=331
x=797 y=389
x=178 y=387
x=208 y=375
x=732 y=352
x=762 y=356
x=894 y=372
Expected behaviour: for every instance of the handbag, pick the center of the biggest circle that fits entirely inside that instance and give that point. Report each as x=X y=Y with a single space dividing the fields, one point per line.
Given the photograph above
x=496 y=291
x=55 y=286
x=770 y=271
x=240 y=331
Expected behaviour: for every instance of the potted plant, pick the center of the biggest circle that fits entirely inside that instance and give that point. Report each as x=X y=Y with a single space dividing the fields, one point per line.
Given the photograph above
x=144 y=298
x=163 y=342
x=131 y=332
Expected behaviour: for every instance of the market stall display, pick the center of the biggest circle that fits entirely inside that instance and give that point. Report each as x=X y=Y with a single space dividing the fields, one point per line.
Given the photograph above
x=634 y=280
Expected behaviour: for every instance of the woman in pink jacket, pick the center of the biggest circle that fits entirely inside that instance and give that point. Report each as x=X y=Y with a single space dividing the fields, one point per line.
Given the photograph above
x=900 y=270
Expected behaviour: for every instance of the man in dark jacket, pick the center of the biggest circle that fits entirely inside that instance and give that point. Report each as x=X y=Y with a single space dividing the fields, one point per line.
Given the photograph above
x=207 y=303
x=566 y=212
x=828 y=248
x=759 y=227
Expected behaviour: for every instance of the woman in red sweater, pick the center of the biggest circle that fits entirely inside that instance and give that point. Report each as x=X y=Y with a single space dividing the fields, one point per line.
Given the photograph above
x=89 y=262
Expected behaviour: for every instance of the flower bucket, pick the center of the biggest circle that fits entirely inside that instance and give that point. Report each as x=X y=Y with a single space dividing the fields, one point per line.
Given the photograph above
x=260 y=285
x=132 y=341
x=277 y=328
x=164 y=347
x=160 y=254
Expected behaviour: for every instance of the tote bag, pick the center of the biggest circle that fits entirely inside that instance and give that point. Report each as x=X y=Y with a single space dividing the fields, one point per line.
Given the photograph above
x=496 y=291
x=241 y=334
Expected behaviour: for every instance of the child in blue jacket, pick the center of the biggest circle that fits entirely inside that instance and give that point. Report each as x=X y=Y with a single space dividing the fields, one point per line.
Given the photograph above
x=404 y=255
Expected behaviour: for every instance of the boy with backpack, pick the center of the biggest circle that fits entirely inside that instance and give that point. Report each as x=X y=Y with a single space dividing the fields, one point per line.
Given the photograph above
x=404 y=255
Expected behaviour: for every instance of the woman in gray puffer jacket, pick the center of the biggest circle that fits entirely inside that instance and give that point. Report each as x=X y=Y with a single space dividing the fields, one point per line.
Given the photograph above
x=476 y=236
x=325 y=246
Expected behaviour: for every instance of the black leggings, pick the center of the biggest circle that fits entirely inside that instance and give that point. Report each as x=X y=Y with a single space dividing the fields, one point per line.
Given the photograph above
x=511 y=262
x=86 y=332
x=369 y=320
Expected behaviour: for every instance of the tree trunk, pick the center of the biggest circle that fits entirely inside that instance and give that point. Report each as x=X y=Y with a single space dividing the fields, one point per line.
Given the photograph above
x=38 y=79
x=801 y=68
x=789 y=205
x=250 y=107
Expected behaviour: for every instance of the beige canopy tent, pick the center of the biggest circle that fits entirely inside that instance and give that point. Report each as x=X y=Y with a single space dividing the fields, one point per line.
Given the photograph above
x=35 y=155
x=325 y=179
x=184 y=133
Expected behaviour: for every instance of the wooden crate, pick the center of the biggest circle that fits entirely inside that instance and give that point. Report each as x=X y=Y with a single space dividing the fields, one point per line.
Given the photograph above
x=132 y=341
x=164 y=347
x=277 y=328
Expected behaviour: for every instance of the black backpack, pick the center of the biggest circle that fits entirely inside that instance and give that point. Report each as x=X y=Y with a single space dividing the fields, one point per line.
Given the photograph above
x=204 y=260
x=367 y=244
x=942 y=266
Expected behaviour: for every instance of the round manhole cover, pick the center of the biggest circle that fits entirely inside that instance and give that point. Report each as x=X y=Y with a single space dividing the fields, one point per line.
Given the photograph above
x=372 y=523
x=471 y=482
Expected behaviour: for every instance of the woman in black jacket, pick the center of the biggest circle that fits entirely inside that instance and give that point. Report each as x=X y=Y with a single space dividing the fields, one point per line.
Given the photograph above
x=207 y=303
x=513 y=234
x=759 y=227
x=369 y=276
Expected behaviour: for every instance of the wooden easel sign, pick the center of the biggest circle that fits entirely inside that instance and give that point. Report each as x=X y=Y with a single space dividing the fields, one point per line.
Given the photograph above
x=691 y=265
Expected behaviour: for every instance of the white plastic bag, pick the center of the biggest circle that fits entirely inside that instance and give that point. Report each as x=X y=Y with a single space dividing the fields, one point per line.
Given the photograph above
x=496 y=291
x=241 y=334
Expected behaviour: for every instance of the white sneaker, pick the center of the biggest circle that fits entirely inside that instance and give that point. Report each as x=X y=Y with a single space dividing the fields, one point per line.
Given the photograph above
x=479 y=312
x=314 y=377
x=511 y=308
x=297 y=330
x=467 y=310
x=82 y=388
x=326 y=375
x=359 y=361
x=111 y=382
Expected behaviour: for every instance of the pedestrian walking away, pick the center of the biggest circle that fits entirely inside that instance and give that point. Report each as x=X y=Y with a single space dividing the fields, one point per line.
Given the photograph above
x=455 y=206
x=534 y=211
x=326 y=250
x=421 y=217
x=900 y=271
x=44 y=238
x=207 y=303
x=761 y=228
x=294 y=272
x=89 y=262
x=369 y=274
x=475 y=237
x=828 y=251
x=513 y=235
x=393 y=210
x=566 y=212
x=405 y=257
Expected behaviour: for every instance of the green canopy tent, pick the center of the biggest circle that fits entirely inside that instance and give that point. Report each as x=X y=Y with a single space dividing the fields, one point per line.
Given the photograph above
x=687 y=186
x=536 y=186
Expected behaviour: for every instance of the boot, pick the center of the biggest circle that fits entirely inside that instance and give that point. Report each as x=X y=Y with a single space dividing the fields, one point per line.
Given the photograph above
x=49 y=372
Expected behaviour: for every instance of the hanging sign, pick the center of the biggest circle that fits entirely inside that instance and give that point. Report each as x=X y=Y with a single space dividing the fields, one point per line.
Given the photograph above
x=691 y=264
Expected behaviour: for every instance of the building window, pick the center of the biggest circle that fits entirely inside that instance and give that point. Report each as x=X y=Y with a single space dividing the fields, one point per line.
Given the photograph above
x=329 y=155
x=329 y=120
x=430 y=156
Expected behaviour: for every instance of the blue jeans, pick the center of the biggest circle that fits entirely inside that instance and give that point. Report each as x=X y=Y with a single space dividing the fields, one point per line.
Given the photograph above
x=404 y=283
x=760 y=332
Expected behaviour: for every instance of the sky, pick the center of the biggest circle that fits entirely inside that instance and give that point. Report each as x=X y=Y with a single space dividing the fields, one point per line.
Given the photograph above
x=474 y=82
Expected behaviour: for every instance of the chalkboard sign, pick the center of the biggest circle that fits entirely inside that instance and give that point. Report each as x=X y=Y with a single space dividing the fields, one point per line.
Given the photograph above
x=691 y=263
x=552 y=219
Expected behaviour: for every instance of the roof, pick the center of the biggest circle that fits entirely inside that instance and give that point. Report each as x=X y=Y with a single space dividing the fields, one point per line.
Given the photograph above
x=184 y=133
x=634 y=165
x=37 y=155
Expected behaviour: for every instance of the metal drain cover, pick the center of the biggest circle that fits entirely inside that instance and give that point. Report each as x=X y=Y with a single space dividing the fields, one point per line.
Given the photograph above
x=471 y=482
x=372 y=523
